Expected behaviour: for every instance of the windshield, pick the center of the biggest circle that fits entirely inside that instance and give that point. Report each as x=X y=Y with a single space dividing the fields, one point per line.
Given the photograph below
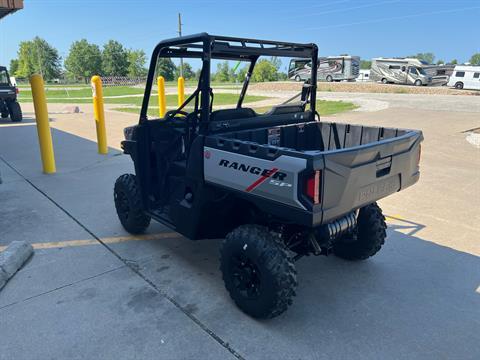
x=421 y=71
x=4 y=77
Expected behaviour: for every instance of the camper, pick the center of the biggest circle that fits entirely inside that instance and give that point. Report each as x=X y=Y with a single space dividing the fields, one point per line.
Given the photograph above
x=363 y=76
x=399 y=71
x=330 y=68
x=440 y=73
x=465 y=77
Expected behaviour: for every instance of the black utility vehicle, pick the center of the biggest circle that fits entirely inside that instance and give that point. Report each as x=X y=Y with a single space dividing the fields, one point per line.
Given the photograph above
x=8 y=98
x=277 y=186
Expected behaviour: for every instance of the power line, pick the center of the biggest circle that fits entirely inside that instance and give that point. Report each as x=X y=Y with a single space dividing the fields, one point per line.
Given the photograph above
x=392 y=18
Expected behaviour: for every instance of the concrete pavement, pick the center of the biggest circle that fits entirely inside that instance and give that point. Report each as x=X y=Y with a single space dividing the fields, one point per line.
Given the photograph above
x=418 y=298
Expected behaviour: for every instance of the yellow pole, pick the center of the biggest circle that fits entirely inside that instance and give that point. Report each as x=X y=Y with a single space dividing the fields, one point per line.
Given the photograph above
x=43 y=126
x=181 y=91
x=162 y=101
x=99 y=114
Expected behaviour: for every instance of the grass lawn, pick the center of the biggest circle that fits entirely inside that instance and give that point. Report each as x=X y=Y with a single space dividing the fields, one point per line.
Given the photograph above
x=324 y=107
x=26 y=94
x=220 y=99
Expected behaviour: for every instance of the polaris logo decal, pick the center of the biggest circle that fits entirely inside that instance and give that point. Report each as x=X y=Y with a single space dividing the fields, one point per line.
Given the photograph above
x=264 y=173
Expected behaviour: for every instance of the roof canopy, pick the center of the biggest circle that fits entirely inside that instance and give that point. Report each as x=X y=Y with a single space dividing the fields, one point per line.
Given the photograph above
x=9 y=7
x=230 y=48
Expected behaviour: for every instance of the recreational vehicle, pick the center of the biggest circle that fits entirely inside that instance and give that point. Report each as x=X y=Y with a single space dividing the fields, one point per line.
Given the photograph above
x=330 y=68
x=399 y=71
x=364 y=75
x=439 y=73
x=465 y=77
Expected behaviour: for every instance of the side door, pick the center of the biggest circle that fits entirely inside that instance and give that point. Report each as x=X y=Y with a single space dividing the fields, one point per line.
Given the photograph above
x=475 y=82
x=412 y=75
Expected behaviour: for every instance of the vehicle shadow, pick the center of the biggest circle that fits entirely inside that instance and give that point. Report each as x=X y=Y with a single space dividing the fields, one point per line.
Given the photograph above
x=414 y=299
x=25 y=120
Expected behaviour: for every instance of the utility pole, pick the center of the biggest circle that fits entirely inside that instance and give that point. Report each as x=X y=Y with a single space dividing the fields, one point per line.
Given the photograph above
x=180 y=34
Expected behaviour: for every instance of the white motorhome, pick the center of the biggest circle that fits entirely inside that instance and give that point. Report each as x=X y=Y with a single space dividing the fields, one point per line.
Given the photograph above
x=399 y=71
x=465 y=77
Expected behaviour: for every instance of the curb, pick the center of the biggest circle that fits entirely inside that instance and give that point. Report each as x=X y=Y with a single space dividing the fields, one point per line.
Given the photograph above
x=12 y=259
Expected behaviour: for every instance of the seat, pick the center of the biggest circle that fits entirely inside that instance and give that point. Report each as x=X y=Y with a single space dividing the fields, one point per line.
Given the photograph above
x=230 y=114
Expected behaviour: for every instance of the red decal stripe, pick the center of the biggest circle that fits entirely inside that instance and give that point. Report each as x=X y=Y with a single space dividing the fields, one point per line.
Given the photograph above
x=261 y=180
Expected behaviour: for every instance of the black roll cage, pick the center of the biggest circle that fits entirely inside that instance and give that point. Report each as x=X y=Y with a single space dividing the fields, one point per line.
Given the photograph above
x=207 y=47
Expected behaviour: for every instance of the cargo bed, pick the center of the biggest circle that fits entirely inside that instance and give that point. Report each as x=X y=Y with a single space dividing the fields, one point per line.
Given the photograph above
x=357 y=164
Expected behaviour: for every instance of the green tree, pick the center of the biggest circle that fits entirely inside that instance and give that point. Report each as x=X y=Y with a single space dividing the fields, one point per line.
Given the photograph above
x=440 y=62
x=136 y=63
x=166 y=68
x=13 y=67
x=114 y=59
x=454 y=62
x=264 y=70
x=242 y=74
x=188 y=72
x=38 y=56
x=223 y=72
x=475 y=59
x=365 y=64
x=429 y=57
x=84 y=60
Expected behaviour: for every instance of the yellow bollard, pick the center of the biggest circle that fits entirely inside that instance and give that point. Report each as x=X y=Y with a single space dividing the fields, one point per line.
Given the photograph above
x=99 y=114
x=43 y=126
x=181 y=91
x=162 y=101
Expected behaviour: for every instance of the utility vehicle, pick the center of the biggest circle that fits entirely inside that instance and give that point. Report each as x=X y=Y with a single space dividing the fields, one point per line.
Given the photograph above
x=9 y=105
x=275 y=186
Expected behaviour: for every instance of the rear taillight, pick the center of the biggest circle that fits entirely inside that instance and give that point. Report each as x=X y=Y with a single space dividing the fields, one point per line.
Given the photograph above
x=17 y=91
x=312 y=187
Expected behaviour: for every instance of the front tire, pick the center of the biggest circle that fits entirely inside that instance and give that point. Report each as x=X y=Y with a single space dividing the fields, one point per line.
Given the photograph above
x=418 y=83
x=298 y=78
x=15 y=111
x=459 y=85
x=384 y=81
x=329 y=78
x=258 y=272
x=368 y=238
x=128 y=204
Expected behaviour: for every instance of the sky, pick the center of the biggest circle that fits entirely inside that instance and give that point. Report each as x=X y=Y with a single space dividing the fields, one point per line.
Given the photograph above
x=370 y=28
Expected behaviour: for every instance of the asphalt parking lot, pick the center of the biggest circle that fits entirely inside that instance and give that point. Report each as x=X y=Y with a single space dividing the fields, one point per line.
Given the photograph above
x=93 y=291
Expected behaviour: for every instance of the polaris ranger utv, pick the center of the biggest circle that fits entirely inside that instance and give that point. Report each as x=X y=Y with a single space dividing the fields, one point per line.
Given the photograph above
x=8 y=97
x=276 y=186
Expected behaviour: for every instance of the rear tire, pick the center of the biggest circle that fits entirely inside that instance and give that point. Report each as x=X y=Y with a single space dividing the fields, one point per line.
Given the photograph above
x=15 y=111
x=367 y=239
x=329 y=78
x=459 y=85
x=128 y=204
x=258 y=272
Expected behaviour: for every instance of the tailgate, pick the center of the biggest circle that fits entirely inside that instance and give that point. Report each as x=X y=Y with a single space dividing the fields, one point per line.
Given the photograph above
x=354 y=177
